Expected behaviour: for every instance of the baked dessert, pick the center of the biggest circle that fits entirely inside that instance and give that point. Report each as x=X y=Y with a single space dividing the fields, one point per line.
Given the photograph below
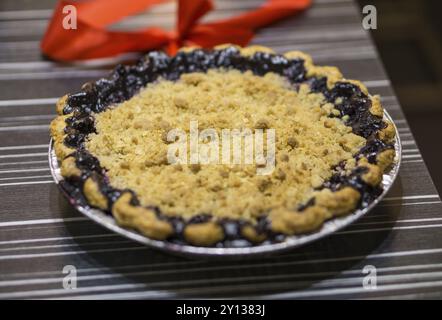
x=330 y=149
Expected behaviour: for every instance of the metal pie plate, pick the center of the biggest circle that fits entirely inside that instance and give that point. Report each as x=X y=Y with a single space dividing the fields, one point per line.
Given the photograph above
x=290 y=242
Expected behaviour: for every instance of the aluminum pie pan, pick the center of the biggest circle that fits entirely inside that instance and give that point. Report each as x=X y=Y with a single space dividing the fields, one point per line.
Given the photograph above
x=329 y=227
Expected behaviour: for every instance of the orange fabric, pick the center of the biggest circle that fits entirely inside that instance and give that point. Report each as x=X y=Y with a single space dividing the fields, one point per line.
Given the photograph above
x=92 y=40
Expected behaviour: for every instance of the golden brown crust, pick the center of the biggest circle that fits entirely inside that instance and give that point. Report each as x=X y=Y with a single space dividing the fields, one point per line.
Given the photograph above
x=339 y=202
x=359 y=84
x=252 y=235
x=139 y=218
x=61 y=103
x=123 y=211
x=57 y=127
x=385 y=159
x=226 y=45
x=327 y=205
x=373 y=176
x=332 y=73
x=69 y=168
x=388 y=133
x=203 y=234
x=376 y=107
x=92 y=192
x=308 y=61
x=61 y=150
x=291 y=222
x=251 y=50
x=189 y=48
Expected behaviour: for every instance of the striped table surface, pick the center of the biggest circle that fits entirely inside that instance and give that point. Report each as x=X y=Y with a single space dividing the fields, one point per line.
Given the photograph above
x=40 y=234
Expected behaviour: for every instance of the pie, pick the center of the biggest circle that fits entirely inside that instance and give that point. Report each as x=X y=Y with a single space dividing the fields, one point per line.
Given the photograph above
x=325 y=145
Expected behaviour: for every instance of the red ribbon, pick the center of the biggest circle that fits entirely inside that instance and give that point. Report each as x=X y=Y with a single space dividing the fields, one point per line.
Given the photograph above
x=92 y=40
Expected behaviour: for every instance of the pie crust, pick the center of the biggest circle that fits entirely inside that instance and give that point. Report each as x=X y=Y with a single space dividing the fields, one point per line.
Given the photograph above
x=97 y=133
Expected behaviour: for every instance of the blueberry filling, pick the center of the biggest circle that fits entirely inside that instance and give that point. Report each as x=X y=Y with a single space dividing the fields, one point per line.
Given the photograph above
x=125 y=81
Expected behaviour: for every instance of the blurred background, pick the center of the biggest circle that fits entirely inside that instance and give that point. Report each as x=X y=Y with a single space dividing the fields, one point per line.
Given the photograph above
x=408 y=39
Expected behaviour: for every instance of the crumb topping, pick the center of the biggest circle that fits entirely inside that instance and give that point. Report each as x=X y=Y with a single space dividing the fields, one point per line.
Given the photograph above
x=131 y=144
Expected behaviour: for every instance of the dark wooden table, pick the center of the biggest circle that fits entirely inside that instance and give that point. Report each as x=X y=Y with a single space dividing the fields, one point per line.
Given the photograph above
x=40 y=234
